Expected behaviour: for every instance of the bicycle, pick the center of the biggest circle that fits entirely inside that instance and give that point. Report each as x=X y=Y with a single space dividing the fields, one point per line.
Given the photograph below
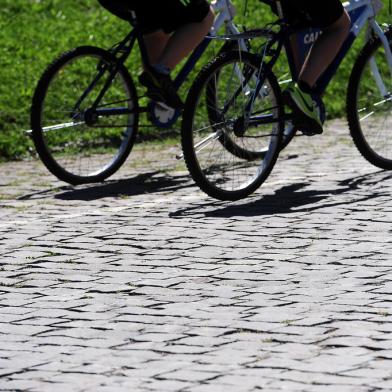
x=85 y=110
x=231 y=140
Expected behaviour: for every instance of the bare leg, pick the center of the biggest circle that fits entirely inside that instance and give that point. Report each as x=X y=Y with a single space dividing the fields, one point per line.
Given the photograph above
x=165 y=52
x=324 y=50
x=155 y=45
x=184 y=40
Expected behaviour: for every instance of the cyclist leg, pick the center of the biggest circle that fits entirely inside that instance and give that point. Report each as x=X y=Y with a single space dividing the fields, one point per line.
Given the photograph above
x=155 y=44
x=185 y=39
x=334 y=21
x=169 y=49
x=325 y=49
x=173 y=28
x=186 y=23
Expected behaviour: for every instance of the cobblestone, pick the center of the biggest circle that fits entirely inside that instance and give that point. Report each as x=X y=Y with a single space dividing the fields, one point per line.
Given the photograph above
x=143 y=283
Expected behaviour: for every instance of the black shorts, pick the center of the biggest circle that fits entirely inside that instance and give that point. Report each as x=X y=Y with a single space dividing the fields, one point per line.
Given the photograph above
x=314 y=13
x=153 y=15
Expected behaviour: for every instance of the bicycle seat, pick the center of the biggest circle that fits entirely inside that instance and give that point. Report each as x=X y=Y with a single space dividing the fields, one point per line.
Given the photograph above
x=296 y=18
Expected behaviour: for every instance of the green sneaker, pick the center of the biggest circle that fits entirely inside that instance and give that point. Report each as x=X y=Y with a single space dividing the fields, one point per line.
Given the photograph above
x=306 y=114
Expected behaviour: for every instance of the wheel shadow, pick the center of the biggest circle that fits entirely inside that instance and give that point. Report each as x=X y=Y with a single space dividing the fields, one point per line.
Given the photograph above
x=297 y=198
x=151 y=182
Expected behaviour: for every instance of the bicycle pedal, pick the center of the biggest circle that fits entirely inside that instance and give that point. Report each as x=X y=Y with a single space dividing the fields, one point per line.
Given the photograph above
x=307 y=132
x=304 y=127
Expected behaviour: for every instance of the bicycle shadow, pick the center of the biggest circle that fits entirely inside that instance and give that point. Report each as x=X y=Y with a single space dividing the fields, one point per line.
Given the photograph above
x=296 y=198
x=151 y=182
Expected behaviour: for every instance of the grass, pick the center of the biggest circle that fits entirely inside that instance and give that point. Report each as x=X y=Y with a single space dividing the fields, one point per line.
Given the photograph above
x=34 y=32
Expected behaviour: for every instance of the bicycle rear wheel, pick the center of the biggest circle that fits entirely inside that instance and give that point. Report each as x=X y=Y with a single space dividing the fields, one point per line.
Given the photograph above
x=77 y=141
x=369 y=105
x=228 y=154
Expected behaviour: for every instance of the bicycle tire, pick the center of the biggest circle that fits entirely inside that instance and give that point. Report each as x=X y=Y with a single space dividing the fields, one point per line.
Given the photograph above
x=77 y=158
x=367 y=111
x=264 y=167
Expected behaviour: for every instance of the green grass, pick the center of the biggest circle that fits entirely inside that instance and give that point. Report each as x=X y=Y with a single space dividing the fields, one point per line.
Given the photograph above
x=34 y=32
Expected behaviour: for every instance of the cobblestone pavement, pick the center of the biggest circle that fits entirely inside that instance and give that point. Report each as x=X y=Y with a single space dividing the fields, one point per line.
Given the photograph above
x=143 y=283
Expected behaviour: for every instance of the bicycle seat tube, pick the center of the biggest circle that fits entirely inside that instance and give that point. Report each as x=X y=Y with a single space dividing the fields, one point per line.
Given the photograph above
x=279 y=8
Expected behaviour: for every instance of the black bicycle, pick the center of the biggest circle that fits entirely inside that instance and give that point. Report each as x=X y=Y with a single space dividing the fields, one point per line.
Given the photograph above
x=85 y=110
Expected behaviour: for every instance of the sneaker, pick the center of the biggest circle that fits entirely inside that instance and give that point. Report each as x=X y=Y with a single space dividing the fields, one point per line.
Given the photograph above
x=160 y=88
x=306 y=114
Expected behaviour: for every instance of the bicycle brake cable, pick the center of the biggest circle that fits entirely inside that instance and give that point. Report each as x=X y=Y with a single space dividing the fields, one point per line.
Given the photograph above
x=246 y=8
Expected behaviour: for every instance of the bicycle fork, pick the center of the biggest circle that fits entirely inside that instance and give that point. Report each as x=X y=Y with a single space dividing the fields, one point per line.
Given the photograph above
x=377 y=30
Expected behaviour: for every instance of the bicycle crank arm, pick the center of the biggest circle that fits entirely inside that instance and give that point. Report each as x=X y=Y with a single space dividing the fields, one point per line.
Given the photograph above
x=269 y=119
x=265 y=119
x=106 y=112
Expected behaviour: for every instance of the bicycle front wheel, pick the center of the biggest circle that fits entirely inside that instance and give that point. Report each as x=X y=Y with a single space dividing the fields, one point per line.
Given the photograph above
x=82 y=130
x=369 y=105
x=231 y=129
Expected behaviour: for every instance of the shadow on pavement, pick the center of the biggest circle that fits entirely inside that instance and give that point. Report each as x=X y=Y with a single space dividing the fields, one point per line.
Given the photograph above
x=151 y=182
x=296 y=198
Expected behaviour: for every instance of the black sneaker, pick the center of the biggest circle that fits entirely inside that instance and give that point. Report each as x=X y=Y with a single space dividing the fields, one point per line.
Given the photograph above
x=306 y=113
x=160 y=88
